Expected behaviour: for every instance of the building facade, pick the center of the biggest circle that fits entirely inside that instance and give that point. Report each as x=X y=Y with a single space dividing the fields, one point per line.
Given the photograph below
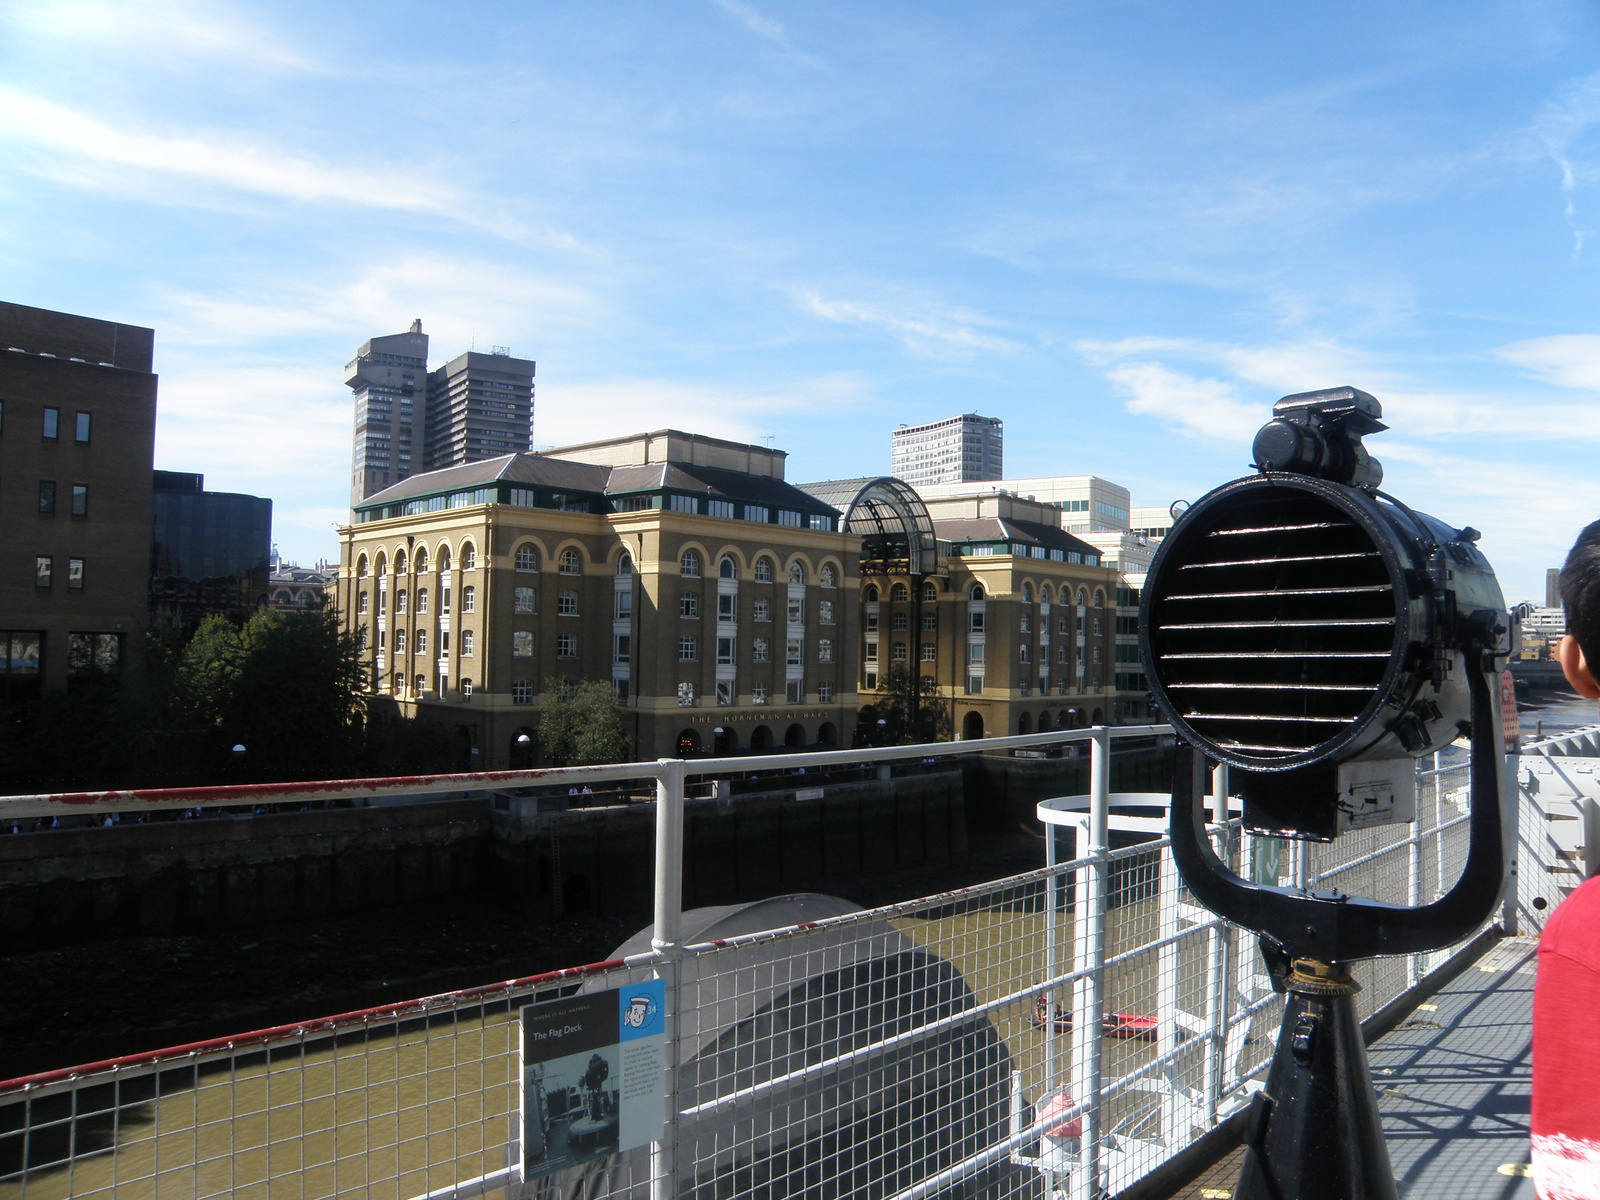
x=389 y=377
x=77 y=444
x=954 y=450
x=209 y=551
x=291 y=588
x=1088 y=504
x=720 y=600
x=479 y=406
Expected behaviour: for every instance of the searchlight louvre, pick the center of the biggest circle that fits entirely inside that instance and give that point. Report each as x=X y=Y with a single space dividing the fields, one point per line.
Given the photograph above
x=1287 y=638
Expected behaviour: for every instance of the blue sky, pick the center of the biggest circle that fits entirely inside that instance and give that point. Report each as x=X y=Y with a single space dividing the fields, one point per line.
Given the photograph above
x=1125 y=229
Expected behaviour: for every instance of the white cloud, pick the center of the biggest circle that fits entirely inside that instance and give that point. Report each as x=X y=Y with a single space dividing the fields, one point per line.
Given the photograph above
x=1208 y=407
x=754 y=21
x=923 y=328
x=1570 y=360
x=165 y=28
x=1558 y=126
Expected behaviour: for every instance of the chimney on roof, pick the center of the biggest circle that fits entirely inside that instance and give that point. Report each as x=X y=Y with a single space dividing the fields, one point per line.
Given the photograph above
x=416 y=326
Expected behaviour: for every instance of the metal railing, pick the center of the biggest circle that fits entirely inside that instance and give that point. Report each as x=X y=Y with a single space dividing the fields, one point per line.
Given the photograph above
x=1077 y=1025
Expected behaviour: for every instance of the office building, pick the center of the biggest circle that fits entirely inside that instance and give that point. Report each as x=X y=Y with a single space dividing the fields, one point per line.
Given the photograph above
x=479 y=406
x=209 y=552
x=77 y=444
x=1552 y=587
x=1152 y=522
x=719 y=600
x=389 y=376
x=960 y=449
x=1088 y=504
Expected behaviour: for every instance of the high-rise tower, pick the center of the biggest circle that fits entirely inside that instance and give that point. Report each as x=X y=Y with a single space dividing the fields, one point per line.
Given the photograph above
x=389 y=378
x=479 y=406
x=960 y=449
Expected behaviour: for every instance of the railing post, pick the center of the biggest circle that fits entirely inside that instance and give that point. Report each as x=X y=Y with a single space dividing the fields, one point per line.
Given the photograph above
x=1051 y=938
x=1090 y=1011
x=1414 y=962
x=1511 y=812
x=667 y=942
x=1216 y=959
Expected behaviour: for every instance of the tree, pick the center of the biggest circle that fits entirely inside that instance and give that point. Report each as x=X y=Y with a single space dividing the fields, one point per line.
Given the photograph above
x=893 y=706
x=583 y=723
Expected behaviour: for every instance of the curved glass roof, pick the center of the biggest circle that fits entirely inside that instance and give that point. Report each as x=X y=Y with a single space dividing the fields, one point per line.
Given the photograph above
x=888 y=516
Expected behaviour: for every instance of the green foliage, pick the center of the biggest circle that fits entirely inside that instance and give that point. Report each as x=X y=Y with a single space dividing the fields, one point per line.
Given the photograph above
x=583 y=724
x=929 y=721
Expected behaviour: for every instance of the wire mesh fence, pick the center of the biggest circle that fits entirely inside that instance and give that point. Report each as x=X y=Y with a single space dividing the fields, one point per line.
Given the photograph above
x=1071 y=1027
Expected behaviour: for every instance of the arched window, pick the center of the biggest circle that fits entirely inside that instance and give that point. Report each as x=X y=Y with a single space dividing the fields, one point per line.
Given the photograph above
x=899 y=594
x=624 y=563
x=763 y=570
x=527 y=558
x=976 y=592
x=1083 y=597
x=797 y=573
x=689 y=564
x=871 y=594
x=1046 y=594
x=282 y=597
x=1027 y=592
x=571 y=562
x=380 y=565
x=399 y=562
x=361 y=567
x=727 y=568
x=1099 y=598
x=830 y=577
x=469 y=556
x=930 y=592
x=444 y=558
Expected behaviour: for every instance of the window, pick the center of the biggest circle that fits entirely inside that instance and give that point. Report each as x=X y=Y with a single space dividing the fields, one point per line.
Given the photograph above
x=758 y=693
x=797 y=574
x=1064 y=625
x=930 y=622
x=974 y=685
x=383 y=598
x=1097 y=656
x=870 y=596
x=825 y=693
x=52 y=422
x=872 y=622
x=797 y=614
x=80 y=500
x=400 y=602
x=469 y=599
x=928 y=652
x=825 y=612
x=785 y=517
x=622 y=604
x=43 y=570
x=871 y=678
x=522 y=599
x=400 y=563
x=422 y=560
x=689 y=564
x=47 y=496
x=975 y=622
x=466 y=688
x=80 y=428
x=422 y=642
x=761 y=650
x=422 y=601
x=466 y=643
x=1061 y=654
x=94 y=654
x=688 y=605
x=1027 y=623
x=974 y=653
x=724 y=686
x=361 y=567
x=361 y=602
x=382 y=643
x=976 y=593
x=399 y=641
x=727 y=568
x=763 y=570
x=899 y=594
x=522 y=644
x=725 y=651
x=444 y=601
x=720 y=508
x=830 y=575
x=792 y=652
x=469 y=561
x=825 y=651
x=1097 y=627
x=522 y=691
x=727 y=608
x=566 y=603
x=361 y=638
x=761 y=610
x=683 y=504
x=624 y=563
x=686 y=695
x=930 y=593
x=444 y=641
x=794 y=691
x=757 y=513
x=527 y=558
x=1027 y=593
x=571 y=564
x=901 y=622
x=566 y=645
x=688 y=648
x=621 y=647
x=1023 y=655
x=74 y=574
x=872 y=652
x=897 y=652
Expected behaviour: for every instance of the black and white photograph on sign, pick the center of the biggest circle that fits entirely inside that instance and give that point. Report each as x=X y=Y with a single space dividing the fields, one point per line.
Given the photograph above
x=573 y=1109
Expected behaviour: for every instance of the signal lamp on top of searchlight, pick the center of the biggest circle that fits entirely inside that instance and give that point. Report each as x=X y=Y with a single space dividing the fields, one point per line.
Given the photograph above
x=1317 y=636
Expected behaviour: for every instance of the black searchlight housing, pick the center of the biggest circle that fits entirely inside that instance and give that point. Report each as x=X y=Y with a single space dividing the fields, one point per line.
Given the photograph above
x=1293 y=625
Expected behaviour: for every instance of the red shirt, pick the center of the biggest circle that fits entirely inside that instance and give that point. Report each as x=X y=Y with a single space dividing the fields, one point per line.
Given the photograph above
x=1566 y=1050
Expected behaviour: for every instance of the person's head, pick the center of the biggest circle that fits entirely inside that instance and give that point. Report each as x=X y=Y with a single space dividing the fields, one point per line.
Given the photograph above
x=1579 y=651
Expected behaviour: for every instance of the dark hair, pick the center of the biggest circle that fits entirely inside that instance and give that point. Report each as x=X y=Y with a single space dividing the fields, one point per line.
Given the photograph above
x=1580 y=594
